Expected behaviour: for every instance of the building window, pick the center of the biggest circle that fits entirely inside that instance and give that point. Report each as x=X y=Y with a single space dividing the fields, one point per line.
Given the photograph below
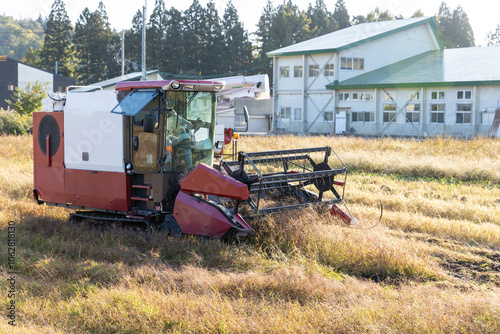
x=286 y=112
x=437 y=95
x=437 y=113
x=363 y=96
x=464 y=112
x=464 y=95
x=284 y=72
x=350 y=64
x=389 y=112
x=344 y=96
x=297 y=71
x=10 y=88
x=329 y=70
x=390 y=96
x=413 y=113
x=413 y=96
x=328 y=116
x=298 y=114
x=362 y=116
x=313 y=70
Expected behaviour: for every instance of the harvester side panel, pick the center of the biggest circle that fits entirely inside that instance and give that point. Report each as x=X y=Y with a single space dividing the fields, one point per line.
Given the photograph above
x=209 y=181
x=201 y=217
x=98 y=189
x=94 y=136
x=48 y=156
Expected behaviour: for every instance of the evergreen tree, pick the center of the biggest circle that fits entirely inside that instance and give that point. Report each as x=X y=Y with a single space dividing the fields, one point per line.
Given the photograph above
x=57 y=45
x=322 y=21
x=237 y=53
x=494 y=37
x=156 y=36
x=174 y=50
x=462 y=34
x=341 y=15
x=264 y=38
x=454 y=28
x=214 y=42
x=289 y=26
x=91 y=41
x=418 y=13
x=374 y=16
x=194 y=24
x=133 y=44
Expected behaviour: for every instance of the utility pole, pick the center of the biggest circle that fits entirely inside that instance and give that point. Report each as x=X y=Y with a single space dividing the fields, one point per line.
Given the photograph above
x=123 y=52
x=144 y=41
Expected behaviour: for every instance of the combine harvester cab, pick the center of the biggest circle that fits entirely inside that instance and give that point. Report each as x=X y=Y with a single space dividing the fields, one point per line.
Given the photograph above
x=142 y=155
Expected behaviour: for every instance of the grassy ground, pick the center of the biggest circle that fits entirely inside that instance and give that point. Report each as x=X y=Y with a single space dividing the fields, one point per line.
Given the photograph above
x=431 y=266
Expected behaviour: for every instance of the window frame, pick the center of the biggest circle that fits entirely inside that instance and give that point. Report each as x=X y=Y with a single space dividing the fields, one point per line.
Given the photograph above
x=313 y=68
x=413 y=113
x=329 y=112
x=438 y=95
x=288 y=110
x=295 y=68
x=391 y=114
x=344 y=94
x=287 y=68
x=329 y=70
x=352 y=64
x=361 y=117
x=464 y=113
x=438 y=113
x=464 y=94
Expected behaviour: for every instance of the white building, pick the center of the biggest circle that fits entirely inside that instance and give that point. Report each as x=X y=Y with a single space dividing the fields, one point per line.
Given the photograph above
x=385 y=78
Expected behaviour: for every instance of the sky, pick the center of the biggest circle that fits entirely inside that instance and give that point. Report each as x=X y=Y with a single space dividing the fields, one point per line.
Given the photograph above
x=482 y=17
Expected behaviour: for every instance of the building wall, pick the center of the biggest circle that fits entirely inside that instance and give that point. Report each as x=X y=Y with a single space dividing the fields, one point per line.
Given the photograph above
x=390 y=49
x=307 y=92
x=462 y=111
x=28 y=74
x=8 y=77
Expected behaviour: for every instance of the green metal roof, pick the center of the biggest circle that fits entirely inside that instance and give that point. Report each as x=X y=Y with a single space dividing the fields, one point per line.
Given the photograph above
x=474 y=66
x=352 y=36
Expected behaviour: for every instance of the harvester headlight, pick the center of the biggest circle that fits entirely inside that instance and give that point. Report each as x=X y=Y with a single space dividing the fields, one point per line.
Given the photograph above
x=175 y=85
x=129 y=168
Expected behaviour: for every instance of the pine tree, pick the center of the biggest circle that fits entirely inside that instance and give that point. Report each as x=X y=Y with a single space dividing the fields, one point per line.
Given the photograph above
x=264 y=38
x=373 y=16
x=322 y=21
x=133 y=44
x=341 y=15
x=462 y=35
x=214 y=42
x=91 y=40
x=237 y=53
x=156 y=36
x=494 y=37
x=174 y=50
x=194 y=24
x=57 y=45
x=454 y=28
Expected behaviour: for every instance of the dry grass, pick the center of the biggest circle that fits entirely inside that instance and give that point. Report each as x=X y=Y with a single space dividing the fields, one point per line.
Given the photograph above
x=432 y=265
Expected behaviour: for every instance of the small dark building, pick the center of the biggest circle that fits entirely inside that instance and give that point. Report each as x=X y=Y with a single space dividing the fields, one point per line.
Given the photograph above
x=14 y=74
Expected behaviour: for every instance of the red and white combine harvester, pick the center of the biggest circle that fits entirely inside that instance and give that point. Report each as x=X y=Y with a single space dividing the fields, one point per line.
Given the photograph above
x=143 y=155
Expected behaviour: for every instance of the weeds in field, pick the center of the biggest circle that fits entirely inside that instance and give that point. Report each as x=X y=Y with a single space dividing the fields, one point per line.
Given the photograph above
x=431 y=265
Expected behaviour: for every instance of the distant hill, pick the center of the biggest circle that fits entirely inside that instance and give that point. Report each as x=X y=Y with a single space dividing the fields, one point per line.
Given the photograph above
x=17 y=36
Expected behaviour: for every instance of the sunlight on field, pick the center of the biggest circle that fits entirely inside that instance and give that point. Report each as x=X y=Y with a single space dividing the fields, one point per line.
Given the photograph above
x=431 y=265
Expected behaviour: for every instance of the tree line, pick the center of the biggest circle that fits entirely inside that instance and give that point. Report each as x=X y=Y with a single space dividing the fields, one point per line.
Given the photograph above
x=200 y=42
